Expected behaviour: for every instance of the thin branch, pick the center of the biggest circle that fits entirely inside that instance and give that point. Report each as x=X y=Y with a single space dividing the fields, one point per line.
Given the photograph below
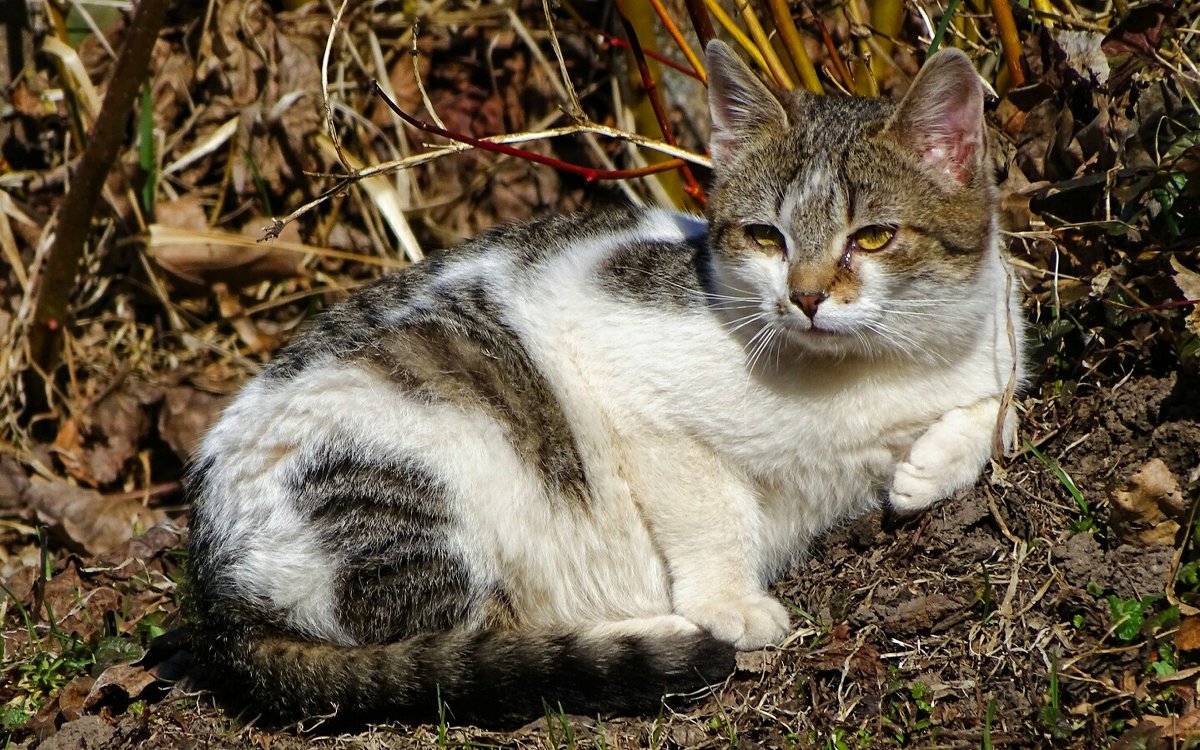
x=692 y=187
x=57 y=277
x=344 y=181
x=330 y=125
x=840 y=70
x=680 y=42
x=576 y=110
x=617 y=41
x=701 y=23
x=501 y=148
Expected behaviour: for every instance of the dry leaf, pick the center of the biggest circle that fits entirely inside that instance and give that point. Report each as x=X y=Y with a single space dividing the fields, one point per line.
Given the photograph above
x=1145 y=509
x=1187 y=638
x=72 y=697
x=1188 y=282
x=125 y=681
x=84 y=519
x=186 y=413
x=13 y=482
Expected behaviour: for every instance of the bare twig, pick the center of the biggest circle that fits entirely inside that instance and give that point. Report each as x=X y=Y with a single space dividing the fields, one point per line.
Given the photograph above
x=840 y=71
x=503 y=148
x=57 y=278
x=333 y=136
x=591 y=128
x=691 y=187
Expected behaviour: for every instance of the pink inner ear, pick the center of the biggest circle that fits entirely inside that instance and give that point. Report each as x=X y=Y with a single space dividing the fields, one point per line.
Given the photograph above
x=942 y=116
x=954 y=153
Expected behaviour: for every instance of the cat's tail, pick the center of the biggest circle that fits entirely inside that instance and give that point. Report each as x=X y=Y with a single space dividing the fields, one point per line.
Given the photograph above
x=492 y=677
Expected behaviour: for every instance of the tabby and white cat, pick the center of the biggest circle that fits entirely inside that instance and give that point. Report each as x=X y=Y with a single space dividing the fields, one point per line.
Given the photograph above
x=564 y=461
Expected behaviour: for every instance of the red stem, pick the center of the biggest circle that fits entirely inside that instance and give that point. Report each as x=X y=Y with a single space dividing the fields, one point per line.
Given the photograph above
x=588 y=173
x=617 y=41
x=701 y=23
x=839 y=65
x=691 y=186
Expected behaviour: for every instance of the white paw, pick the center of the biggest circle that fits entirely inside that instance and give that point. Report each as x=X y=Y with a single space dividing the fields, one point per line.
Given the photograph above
x=915 y=488
x=748 y=622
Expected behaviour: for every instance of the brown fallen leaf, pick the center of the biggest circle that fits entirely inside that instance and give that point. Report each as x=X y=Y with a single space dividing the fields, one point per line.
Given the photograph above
x=186 y=413
x=1146 y=508
x=1187 y=638
x=123 y=682
x=1188 y=282
x=95 y=445
x=73 y=695
x=199 y=258
x=84 y=519
x=13 y=482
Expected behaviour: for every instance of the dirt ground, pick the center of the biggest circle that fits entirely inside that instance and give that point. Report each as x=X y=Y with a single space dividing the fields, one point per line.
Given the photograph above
x=996 y=615
x=1056 y=604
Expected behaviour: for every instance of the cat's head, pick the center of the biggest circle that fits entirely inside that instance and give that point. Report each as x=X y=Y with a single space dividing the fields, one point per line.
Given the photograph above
x=851 y=226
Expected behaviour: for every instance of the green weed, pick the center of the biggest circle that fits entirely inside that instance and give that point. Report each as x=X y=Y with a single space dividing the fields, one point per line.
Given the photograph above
x=1051 y=714
x=1087 y=520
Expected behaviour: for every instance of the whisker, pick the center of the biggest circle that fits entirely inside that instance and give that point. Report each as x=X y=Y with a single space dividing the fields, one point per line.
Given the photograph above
x=745 y=321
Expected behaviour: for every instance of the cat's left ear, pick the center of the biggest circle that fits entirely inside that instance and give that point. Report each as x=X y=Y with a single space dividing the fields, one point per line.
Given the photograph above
x=742 y=108
x=942 y=117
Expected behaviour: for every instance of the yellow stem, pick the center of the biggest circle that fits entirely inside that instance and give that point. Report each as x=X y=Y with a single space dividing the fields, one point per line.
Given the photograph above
x=1045 y=12
x=1009 y=40
x=887 y=19
x=680 y=42
x=864 y=80
x=794 y=44
x=774 y=64
x=738 y=35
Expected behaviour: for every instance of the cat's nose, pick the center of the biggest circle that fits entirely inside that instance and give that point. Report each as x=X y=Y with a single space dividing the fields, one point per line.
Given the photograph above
x=808 y=302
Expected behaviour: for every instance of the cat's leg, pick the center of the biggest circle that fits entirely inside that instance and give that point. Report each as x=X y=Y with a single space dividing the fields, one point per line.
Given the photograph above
x=706 y=524
x=949 y=455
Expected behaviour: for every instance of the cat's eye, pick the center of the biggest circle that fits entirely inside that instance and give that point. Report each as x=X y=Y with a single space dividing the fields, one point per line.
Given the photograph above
x=766 y=237
x=874 y=237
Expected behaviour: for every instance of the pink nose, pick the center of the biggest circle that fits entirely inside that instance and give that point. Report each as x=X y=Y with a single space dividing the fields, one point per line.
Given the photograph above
x=808 y=302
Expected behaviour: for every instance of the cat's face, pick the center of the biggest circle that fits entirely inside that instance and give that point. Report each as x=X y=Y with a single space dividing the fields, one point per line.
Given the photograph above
x=847 y=226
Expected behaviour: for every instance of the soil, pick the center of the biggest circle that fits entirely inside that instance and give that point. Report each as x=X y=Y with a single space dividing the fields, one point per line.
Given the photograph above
x=933 y=631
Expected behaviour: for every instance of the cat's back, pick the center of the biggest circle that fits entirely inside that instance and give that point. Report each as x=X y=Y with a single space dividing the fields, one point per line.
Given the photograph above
x=505 y=273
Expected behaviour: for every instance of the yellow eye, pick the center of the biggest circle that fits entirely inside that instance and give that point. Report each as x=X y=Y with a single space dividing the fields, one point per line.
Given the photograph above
x=765 y=236
x=874 y=237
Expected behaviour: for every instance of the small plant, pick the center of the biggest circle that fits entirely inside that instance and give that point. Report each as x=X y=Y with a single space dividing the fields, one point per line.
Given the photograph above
x=846 y=739
x=1087 y=519
x=908 y=711
x=989 y=715
x=1051 y=715
x=985 y=600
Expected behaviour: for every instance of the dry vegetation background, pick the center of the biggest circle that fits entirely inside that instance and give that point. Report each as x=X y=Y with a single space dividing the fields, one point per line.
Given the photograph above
x=1056 y=604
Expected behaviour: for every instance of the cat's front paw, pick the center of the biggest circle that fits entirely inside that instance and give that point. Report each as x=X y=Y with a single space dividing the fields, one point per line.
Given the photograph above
x=915 y=488
x=748 y=622
x=949 y=456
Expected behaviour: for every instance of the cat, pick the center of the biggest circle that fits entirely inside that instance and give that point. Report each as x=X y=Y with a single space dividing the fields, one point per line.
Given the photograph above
x=561 y=464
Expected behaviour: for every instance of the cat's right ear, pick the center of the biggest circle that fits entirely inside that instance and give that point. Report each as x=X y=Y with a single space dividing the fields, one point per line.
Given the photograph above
x=942 y=117
x=741 y=107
